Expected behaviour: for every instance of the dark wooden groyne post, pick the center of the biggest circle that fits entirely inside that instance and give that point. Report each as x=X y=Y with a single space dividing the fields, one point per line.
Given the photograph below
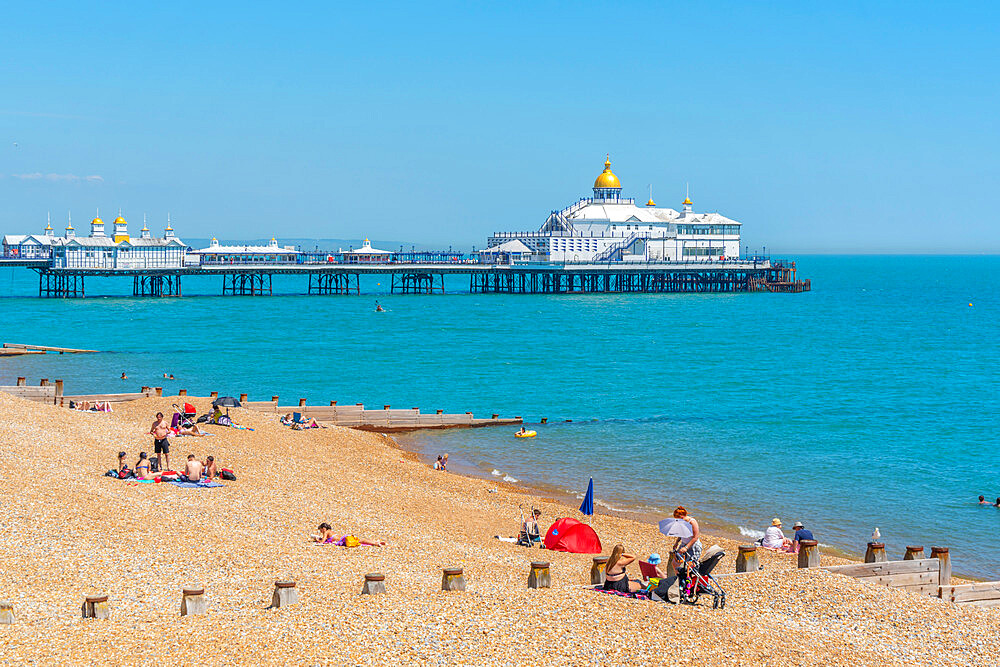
x=302 y=402
x=914 y=553
x=96 y=606
x=243 y=398
x=539 y=576
x=876 y=553
x=941 y=553
x=808 y=553
x=159 y=391
x=6 y=612
x=746 y=559
x=453 y=579
x=597 y=570
x=21 y=381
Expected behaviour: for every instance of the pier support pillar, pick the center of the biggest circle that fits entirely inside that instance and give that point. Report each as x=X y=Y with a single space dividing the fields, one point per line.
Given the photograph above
x=941 y=553
x=914 y=553
x=193 y=602
x=452 y=579
x=876 y=553
x=808 y=553
x=746 y=559
x=374 y=584
x=539 y=576
x=96 y=606
x=597 y=570
x=285 y=594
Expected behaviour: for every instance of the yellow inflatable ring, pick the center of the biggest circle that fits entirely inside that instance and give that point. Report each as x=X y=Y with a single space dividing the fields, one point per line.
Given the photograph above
x=526 y=434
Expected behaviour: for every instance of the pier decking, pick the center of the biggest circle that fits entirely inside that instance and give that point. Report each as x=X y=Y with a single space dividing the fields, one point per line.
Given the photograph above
x=324 y=278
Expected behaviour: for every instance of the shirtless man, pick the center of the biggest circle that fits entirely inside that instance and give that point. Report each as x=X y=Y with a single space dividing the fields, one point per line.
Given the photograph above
x=193 y=469
x=159 y=430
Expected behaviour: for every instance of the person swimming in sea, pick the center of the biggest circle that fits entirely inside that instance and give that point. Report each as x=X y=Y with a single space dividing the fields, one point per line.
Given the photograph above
x=983 y=501
x=379 y=308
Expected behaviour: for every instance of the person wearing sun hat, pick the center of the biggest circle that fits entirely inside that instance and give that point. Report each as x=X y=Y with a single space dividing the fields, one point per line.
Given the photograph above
x=801 y=533
x=774 y=538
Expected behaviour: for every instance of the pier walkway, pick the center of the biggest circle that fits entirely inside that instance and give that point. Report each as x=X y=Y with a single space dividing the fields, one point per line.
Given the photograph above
x=730 y=275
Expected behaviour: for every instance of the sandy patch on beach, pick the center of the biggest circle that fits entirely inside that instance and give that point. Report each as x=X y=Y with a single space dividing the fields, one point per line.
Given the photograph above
x=67 y=532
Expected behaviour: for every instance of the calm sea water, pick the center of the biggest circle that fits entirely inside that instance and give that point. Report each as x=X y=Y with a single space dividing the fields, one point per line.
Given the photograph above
x=871 y=401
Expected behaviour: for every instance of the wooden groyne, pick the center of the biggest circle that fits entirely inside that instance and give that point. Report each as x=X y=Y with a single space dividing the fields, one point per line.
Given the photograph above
x=13 y=349
x=386 y=420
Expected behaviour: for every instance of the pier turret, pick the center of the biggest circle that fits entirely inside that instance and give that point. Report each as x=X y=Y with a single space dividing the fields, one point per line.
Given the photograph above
x=48 y=228
x=144 y=232
x=607 y=187
x=97 y=228
x=168 y=233
x=70 y=232
x=121 y=229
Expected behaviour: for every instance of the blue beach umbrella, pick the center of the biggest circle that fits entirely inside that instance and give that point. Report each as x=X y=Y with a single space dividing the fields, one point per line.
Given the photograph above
x=588 y=501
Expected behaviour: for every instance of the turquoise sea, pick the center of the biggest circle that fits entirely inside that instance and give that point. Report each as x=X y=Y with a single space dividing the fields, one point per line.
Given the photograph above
x=871 y=401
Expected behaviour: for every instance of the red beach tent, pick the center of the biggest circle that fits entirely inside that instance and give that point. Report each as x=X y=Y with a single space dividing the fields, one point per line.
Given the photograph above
x=573 y=536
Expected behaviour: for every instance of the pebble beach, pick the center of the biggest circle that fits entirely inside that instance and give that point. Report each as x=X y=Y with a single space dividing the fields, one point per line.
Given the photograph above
x=69 y=532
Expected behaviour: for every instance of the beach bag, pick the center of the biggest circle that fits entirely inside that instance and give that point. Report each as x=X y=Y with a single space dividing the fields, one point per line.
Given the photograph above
x=351 y=541
x=170 y=476
x=111 y=473
x=202 y=419
x=668 y=590
x=154 y=464
x=124 y=474
x=227 y=475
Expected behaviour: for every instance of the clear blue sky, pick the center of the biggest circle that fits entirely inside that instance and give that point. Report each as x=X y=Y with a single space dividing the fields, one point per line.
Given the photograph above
x=845 y=127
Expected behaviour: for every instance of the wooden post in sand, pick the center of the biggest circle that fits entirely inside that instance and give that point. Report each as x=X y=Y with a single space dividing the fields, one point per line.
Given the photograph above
x=243 y=398
x=746 y=559
x=6 y=613
x=302 y=402
x=59 y=389
x=158 y=390
x=213 y=394
x=808 y=553
x=274 y=399
x=545 y=420
x=44 y=382
x=385 y=407
x=941 y=553
x=333 y=404
x=374 y=584
x=182 y=392
x=597 y=570
x=914 y=553
x=193 y=602
x=96 y=606
x=20 y=381
x=876 y=553
x=143 y=389
x=452 y=579
x=285 y=594
x=539 y=576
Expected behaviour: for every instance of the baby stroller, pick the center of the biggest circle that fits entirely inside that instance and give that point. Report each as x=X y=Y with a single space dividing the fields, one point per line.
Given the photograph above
x=183 y=417
x=694 y=579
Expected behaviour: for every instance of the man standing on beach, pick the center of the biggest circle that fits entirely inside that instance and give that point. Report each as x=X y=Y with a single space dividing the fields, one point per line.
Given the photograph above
x=159 y=430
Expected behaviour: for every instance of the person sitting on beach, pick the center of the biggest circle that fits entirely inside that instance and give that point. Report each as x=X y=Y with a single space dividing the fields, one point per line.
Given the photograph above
x=688 y=545
x=211 y=470
x=444 y=464
x=655 y=561
x=122 y=465
x=529 y=529
x=774 y=538
x=615 y=577
x=437 y=464
x=801 y=533
x=142 y=467
x=983 y=501
x=287 y=420
x=193 y=469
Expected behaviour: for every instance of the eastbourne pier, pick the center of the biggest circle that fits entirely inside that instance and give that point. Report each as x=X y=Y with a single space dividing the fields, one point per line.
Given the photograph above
x=604 y=243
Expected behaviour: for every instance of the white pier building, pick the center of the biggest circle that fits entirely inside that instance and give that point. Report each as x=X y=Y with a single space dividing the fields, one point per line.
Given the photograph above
x=610 y=228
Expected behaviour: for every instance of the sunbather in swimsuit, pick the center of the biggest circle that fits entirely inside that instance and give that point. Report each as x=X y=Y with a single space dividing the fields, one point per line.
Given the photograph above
x=615 y=577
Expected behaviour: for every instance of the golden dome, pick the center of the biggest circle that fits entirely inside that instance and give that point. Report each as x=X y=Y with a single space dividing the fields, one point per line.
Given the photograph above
x=687 y=201
x=607 y=179
x=97 y=221
x=120 y=220
x=651 y=202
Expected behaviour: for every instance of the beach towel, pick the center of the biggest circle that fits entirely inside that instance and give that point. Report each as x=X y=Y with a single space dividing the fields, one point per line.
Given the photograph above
x=196 y=485
x=638 y=595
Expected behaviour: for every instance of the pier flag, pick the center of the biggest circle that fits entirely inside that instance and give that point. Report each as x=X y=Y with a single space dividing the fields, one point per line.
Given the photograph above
x=588 y=501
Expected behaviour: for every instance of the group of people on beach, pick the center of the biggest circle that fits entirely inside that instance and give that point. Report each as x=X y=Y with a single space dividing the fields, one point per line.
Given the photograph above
x=775 y=539
x=441 y=463
x=194 y=470
x=617 y=579
x=983 y=501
